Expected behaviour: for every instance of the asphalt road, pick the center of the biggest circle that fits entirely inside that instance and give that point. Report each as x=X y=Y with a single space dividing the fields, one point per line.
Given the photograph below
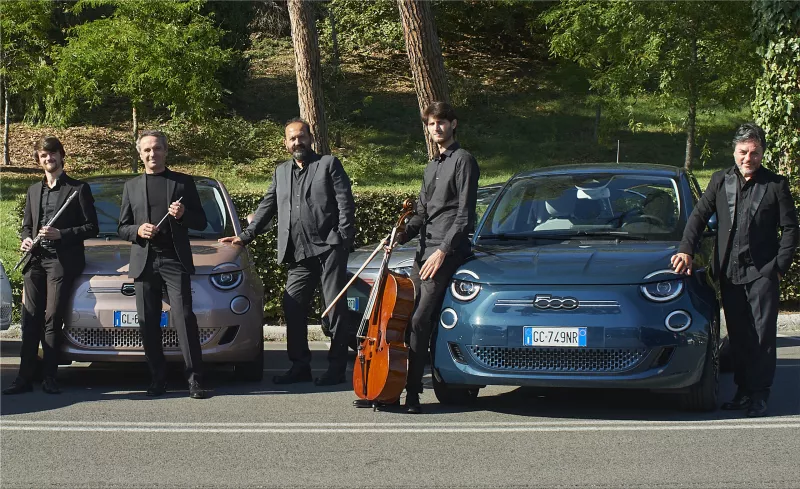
x=102 y=432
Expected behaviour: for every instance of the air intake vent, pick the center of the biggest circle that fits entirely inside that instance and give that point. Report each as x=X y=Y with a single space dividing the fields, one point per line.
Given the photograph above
x=455 y=352
x=558 y=359
x=128 y=338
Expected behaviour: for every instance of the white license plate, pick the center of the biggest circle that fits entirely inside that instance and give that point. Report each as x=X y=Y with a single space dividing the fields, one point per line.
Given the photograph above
x=573 y=337
x=352 y=303
x=129 y=319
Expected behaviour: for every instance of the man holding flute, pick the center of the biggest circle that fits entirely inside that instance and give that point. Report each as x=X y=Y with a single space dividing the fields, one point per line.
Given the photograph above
x=158 y=209
x=54 y=227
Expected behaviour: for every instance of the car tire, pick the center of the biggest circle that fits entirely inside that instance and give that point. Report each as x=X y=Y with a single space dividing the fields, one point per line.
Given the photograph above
x=454 y=395
x=703 y=395
x=252 y=371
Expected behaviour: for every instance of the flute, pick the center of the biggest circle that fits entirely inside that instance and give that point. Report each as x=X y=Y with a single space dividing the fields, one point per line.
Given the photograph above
x=38 y=238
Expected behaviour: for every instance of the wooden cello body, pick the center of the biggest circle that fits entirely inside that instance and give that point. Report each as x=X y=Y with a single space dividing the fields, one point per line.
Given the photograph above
x=381 y=366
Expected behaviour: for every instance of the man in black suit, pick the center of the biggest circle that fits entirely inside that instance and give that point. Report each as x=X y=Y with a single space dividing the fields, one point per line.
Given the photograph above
x=751 y=203
x=161 y=255
x=311 y=196
x=55 y=263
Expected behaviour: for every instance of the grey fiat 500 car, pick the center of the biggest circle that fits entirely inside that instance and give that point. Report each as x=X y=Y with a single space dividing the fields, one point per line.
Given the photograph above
x=227 y=293
x=570 y=286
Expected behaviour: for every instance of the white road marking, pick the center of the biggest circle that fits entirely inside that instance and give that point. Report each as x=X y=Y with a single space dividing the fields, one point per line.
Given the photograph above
x=779 y=422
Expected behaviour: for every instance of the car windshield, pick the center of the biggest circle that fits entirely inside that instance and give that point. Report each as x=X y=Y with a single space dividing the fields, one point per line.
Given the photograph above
x=586 y=205
x=108 y=198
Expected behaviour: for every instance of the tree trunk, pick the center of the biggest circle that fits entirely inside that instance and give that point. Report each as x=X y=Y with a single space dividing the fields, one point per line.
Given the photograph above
x=135 y=160
x=425 y=57
x=691 y=119
x=309 y=71
x=6 y=122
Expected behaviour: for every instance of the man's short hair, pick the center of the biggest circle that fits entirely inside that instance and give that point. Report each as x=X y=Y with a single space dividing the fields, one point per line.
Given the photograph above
x=750 y=132
x=297 y=120
x=162 y=138
x=48 y=143
x=439 y=110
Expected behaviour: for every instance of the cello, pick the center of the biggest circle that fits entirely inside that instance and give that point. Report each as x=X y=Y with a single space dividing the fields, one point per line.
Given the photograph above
x=381 y=366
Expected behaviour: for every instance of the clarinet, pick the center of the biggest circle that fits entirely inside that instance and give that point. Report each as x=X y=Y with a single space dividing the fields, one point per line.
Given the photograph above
x=28 y=254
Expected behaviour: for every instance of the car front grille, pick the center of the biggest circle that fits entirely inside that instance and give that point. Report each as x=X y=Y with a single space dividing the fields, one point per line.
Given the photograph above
x=128 y=338
x=5 y=312
x=558 y=359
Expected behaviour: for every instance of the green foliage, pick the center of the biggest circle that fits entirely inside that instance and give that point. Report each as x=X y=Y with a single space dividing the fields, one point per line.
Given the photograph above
x=23 y=35
x=231 y=139
x=376 y=213
x=165 y=53
x=363 y=27
x=683 y=52
x=777 y=102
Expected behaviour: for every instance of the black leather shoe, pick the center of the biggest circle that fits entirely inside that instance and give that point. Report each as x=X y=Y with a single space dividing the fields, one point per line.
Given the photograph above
x=157 y=388
x=50 y=386
x=413 y=405
x=292 y=377
x=738 y=403
x=18 y=387
x=196 y=391
x=362 y=403
x=329 y=378
x=757 y=409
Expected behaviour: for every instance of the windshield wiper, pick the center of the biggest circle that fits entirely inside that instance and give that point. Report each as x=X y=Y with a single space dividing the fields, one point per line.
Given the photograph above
x=523 y=237
x=623 y=235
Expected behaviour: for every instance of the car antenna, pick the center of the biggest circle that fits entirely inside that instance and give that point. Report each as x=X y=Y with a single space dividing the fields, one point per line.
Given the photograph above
x=618 y=151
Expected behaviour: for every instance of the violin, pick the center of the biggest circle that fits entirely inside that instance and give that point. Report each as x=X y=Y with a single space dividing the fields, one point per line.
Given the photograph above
x=381 y=366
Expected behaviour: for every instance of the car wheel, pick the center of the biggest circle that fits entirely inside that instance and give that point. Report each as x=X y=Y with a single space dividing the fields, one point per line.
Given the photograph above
x=448 y=394
x=702 y=396
x=252 y=371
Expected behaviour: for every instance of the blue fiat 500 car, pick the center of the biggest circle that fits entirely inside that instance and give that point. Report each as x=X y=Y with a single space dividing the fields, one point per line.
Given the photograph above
x=570 y=286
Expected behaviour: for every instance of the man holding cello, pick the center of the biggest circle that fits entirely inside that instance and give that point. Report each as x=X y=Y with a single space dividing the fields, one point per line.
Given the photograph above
x=445 y=217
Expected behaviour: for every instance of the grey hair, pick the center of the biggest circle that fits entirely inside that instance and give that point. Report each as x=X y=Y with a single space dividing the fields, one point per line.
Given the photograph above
x=750 y=132
x=162 y=138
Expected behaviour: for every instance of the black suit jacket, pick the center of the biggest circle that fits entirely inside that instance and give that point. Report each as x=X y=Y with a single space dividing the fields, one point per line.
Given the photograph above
x=772 y=208
x=135 y=211
x=77 y=223
x=329 y=201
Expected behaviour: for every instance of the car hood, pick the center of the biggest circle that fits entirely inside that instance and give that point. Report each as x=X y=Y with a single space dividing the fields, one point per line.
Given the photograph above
x=401 y=255
x=112 y=257
x=570 y=263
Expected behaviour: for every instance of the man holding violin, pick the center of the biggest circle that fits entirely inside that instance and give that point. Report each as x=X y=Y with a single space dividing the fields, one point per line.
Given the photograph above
x=445 y=217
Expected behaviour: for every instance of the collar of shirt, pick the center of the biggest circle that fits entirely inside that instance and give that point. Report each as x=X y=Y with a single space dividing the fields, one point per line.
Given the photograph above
x=449 y=151
x=59 y=181
x=753 y=179
x=311 y=159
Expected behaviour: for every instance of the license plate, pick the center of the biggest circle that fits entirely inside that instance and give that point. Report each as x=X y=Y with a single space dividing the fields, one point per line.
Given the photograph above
x=573 y=337
x=352 y=303
x=128 y=319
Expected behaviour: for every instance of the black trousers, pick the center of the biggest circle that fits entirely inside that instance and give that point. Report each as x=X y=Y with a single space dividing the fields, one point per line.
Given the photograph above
x=329 y=269
x=47 y=290
x=164 y=269
x=428 y=305
x=751 y=314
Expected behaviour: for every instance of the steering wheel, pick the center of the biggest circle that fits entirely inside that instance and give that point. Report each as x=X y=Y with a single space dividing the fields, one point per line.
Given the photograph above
x=649 y=218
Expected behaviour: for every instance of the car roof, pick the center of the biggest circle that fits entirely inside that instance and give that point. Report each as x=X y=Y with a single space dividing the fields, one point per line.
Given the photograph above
x=121 y=178
x=617 y=168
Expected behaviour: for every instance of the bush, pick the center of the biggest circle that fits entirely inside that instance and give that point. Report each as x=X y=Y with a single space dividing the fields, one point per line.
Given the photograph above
x=376 y=213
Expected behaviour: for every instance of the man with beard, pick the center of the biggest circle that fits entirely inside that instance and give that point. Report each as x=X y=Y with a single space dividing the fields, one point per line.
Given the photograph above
x=311 y=196
x=751 y=203
x=54 y=264
x=445 y=217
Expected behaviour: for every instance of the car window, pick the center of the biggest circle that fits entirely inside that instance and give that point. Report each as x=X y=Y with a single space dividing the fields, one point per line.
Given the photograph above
x=639 y=205
x=108 y=199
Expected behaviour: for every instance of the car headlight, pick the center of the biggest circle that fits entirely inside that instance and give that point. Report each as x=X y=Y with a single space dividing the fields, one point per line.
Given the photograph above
x=227 y=280
x=662 y=291
x=464 y=290
x=404 y=268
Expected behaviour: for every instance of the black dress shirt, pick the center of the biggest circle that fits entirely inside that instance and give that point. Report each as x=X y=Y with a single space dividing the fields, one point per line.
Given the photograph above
x=740 y=269
x=298 y=244
x=157 y=201
x=446 y=207
x=49 y=207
